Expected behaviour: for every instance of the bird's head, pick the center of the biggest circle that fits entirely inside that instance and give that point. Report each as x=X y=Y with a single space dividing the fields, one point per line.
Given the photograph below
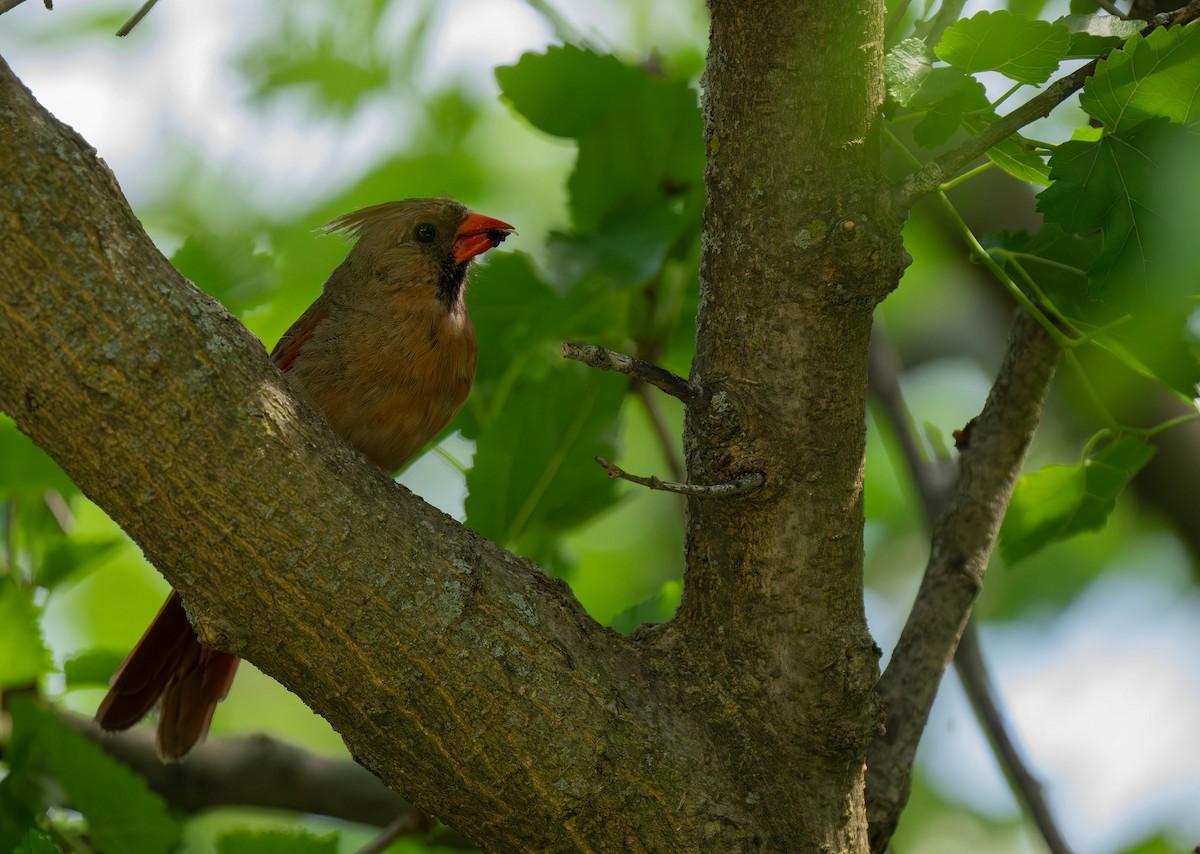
x=420 y=242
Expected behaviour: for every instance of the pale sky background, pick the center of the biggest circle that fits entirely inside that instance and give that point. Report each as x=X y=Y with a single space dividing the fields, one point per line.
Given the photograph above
x=1105 y=696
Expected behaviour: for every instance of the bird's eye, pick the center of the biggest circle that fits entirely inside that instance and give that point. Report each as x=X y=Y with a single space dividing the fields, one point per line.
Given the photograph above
x=426 y=232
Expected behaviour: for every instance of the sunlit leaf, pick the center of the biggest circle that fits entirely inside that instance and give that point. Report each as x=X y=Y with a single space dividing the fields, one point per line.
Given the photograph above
x=1027 y=51
x=276 y=842
x=905 y=67
x=1057 y=502
x=1158 y=75
x=26 y=468
x=1092 y=34
x=23 y=656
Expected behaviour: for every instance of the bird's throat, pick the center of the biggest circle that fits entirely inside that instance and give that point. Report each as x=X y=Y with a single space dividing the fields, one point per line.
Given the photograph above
x=450 y=283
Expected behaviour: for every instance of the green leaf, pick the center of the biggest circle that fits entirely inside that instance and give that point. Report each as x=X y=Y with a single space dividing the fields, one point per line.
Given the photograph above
x=1058 y=502
x=92 y=668
x=946 y=95
x=1023 y=50
x=23 y=656
x=36 y=841
x=123 y=815
x=904 y=69
x=1158 y=75
x=1092 y=34
x=659 y=608
x=66 y=559
x=534 y=471
x=276 y=842
x=1120 y=184
x=640 y=135
x=627 y=248
x=1017 y=160
x=27 y=469
x=226 y=266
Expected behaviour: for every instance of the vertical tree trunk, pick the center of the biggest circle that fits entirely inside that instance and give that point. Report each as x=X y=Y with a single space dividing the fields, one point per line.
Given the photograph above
x=797 y=252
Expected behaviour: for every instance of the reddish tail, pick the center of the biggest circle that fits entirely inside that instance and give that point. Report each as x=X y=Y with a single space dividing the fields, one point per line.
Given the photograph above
x=169 y=662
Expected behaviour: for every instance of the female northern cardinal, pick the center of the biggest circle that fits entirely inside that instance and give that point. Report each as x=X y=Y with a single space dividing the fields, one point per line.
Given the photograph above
x=387 y=355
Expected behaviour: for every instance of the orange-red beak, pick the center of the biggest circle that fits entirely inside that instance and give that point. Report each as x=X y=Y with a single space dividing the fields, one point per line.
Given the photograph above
x=477 y=234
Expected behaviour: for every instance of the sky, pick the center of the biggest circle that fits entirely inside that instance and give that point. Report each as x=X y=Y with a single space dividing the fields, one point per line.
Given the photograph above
x=1104 y=696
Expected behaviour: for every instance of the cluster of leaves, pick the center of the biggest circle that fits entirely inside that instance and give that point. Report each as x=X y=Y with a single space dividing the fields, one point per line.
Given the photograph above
x=1113 y=267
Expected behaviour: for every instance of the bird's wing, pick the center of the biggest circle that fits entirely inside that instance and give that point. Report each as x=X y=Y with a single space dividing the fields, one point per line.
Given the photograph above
x=288 y=349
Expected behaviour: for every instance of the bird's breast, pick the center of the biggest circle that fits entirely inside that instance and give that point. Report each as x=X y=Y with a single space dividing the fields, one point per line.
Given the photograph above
x=397 y=381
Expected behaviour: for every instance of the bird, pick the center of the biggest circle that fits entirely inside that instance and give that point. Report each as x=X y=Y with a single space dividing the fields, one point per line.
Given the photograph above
x=387 y=355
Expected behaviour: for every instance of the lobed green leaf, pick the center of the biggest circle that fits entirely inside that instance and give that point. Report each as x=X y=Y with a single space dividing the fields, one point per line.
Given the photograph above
x=1155 y=76
x=1027 y=51
x=1058 y=502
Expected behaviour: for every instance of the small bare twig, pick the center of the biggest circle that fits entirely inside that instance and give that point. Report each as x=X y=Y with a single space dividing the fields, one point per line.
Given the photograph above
x=137 y=16
x=931 y=176
x=608 y=360
x=712 y=490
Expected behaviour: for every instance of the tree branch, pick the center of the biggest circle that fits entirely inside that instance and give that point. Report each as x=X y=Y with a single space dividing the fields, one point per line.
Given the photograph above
x=461 y=674
x=962 y=542
x=257 y=771
x=608 y=360
x=932 y=175
x=933 y=488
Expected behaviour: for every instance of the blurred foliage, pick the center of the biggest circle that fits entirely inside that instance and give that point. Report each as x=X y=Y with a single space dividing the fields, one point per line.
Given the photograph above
x=591 y=144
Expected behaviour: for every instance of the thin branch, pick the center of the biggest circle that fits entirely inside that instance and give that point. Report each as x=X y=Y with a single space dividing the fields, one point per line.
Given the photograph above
x=933 y=488
x=6 y=5
x=712 y=490
x=968 y=661
x=927 y=179
x=256 y=771
x=137 y=17
x=664 y=380
x=962 y=541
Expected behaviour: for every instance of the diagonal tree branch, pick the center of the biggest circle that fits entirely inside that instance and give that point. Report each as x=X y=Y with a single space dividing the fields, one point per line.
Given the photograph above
x=462 y=675
x=994 y=448
x=932 y=175
x=933 y=488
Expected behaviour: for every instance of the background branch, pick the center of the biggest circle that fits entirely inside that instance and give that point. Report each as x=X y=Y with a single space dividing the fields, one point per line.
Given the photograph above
x=257 y=771
x=962 y=541
x=933 y=484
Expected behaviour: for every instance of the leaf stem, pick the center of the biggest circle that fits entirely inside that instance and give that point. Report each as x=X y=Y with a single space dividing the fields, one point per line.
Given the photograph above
x=966 y=176
x=1090 y=390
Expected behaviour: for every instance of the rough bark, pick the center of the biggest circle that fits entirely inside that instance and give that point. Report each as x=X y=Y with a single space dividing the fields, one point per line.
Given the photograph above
x=798 y=250
x=469 y=681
